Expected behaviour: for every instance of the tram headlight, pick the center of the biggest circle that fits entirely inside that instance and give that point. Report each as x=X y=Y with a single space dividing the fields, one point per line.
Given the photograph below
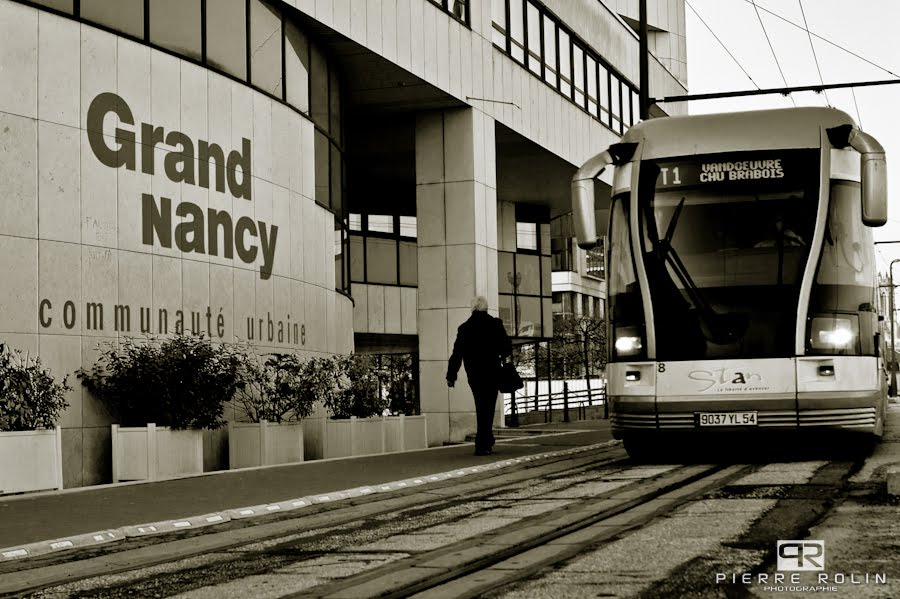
x=834 y=333
x=628 y=342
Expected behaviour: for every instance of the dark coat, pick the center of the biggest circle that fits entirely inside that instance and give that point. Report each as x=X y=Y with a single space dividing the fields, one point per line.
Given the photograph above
x=481 y=344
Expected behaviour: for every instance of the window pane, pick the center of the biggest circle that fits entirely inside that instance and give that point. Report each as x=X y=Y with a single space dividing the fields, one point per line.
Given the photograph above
x=60 y=5
x=408 y=226
x=528 y=273
x=506 y=312
x=517 y=30
x=526 y=236
x=505 y=276
x=408 y=265
x=334 y=91
x=565 y=64
x=381 y=261
x=635 y=107
x=322 y=171
x=603 y=82
x=338 y=255
x=549 y=51
x=357 y=257
x=296 y=67
x=337 y=198
x=547 y=310
x=381 y=223
x=126 y=16
x=318 y=87
x=498 y=16
x=175 y=24
x=265 y=47
x=226 y=37
x=534 y=39
x=529 y=309
x=546 y=277
x=578 y=68
x=615 y=97
x=591 y=85
x=355 y=222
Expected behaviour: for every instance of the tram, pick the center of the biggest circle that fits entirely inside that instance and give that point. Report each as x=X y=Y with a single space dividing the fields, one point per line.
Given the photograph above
x=742 y=285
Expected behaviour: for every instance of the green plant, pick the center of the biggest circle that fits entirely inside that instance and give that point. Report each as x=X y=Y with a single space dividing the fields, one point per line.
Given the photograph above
x=30 y=398
x=357 y=388
x=181 y=382
x=280 y=388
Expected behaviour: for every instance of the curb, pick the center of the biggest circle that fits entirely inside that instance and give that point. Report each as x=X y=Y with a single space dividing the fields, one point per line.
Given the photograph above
x=82 y=541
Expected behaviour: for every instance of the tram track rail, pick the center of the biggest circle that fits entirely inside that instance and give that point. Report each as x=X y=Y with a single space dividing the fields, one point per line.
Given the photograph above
x=19 y=579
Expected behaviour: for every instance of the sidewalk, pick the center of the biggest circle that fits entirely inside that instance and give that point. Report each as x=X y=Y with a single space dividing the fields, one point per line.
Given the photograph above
x=77 y=517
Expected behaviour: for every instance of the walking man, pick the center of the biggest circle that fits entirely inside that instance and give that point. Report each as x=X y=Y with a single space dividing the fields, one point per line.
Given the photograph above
x=481 y=344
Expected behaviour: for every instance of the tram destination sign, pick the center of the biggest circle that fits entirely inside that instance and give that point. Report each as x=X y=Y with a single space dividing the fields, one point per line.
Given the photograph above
x=749 y=167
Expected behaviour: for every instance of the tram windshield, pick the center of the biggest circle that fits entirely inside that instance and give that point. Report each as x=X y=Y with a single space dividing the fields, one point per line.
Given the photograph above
x=725 y=240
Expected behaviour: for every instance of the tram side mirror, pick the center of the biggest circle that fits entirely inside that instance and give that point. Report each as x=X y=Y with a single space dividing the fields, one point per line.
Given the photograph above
x=584 y=216
x=873 y=171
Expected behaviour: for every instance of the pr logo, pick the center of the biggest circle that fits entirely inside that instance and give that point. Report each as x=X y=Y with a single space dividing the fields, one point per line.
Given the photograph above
x=801 y=556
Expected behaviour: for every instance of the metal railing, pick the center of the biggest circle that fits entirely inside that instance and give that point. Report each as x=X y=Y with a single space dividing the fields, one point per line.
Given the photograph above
x=563 y=401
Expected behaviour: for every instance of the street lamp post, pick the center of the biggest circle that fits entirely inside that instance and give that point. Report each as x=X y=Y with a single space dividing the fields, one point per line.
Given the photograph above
x=892 y=391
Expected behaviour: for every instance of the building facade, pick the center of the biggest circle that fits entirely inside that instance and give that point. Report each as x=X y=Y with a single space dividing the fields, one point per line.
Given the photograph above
x=311 y=176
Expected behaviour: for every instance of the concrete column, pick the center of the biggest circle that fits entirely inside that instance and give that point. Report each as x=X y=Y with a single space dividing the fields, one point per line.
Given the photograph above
x=456 y=207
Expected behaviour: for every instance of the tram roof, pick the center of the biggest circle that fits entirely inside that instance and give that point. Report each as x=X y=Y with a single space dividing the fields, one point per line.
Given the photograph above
x=782 y=128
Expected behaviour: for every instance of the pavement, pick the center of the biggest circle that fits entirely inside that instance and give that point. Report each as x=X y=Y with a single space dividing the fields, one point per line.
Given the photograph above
x=39 y=523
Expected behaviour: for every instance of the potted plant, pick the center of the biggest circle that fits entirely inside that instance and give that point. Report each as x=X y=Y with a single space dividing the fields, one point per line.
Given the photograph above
x=162 y=394
x=31 y=401
x=276 y=393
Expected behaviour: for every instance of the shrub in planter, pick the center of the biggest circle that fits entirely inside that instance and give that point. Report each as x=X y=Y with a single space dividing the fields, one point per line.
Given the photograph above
x=279 y=388
x=181 y=382
x=30 y=398
x=356 y=390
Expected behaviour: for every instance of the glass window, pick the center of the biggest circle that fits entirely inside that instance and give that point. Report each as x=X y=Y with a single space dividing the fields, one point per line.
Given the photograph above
x=337 y=197
x=603 y=82
x=265 y=47
x=534 y=38
x=578 y=75
x=226 y=37
x=408 y=226
x=549 y=51
x=546 y=277
x=505 y=278
x=460 y=10
x=517 y=30
x=296 y=67
x=498 y=16
x=529 y=316
x=175 y=24
x=322 y=171
x=545 y=238
x=381 y=261
x=528 y=272
x=357 y=259
x=334 y=94
x=506 y=313
x=126 y=16
x=591 y=85
x=635 y=107
x=526 y=236
x=355 y=222
x=318 y=87
x=60 y=5
x=339 y=242
x=565 y=64
x=408 y=263
x=381 y=223
x=615 y=104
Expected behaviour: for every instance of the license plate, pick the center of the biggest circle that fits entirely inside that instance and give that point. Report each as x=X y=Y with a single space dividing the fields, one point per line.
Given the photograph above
x=727 y=418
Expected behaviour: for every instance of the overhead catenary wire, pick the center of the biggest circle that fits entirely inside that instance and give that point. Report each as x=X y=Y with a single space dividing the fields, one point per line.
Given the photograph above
x=772 y=48
x=824 y=39
x=813 y=48
x=721 y=43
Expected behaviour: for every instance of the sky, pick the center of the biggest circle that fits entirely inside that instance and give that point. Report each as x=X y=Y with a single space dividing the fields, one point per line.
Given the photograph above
x=868 y=28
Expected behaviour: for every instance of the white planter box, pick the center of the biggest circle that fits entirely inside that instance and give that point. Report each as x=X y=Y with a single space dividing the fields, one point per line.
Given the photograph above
x=30 y=461
x=327 y=438
x=264 y=443
x=154 y=453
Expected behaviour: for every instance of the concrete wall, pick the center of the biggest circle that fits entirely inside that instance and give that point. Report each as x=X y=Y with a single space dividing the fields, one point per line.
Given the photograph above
x=74 y=229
